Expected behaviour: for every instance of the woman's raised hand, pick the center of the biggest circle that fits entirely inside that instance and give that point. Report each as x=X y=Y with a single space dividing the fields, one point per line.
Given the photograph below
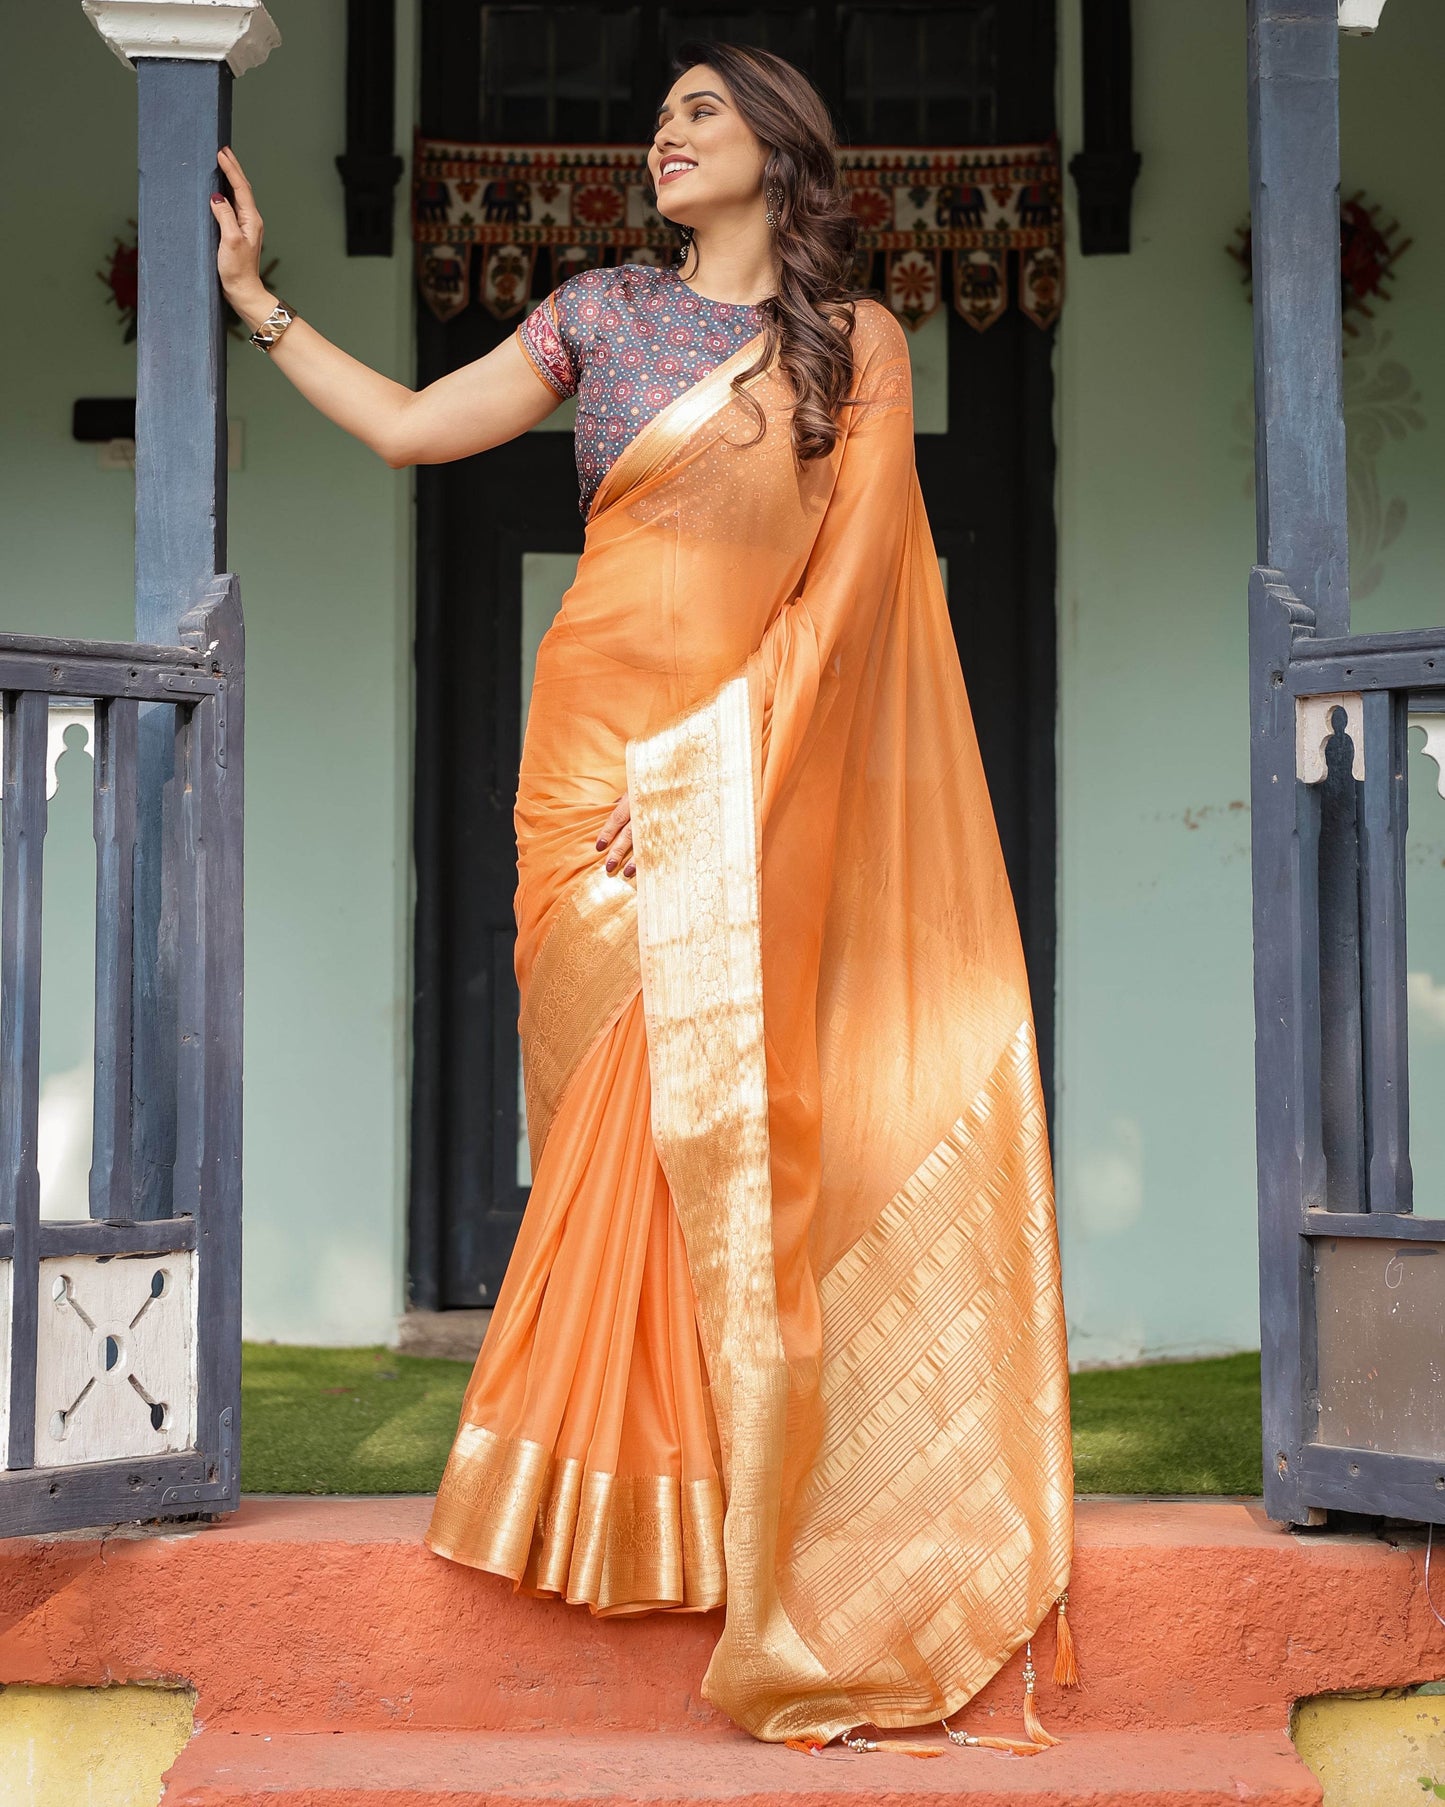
x=617 y=833
x=486 y=402
x=238 y=257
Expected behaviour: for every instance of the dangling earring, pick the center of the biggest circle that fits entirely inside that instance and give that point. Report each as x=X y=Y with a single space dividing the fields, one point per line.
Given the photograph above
x=684 y=245
x=774 y=201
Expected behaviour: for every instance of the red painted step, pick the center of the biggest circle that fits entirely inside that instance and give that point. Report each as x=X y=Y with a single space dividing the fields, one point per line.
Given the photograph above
x=321 y=1614
x=480 y=1769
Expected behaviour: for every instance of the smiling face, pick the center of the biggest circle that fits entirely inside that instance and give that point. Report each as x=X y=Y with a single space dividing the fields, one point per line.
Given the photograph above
x=705 y=158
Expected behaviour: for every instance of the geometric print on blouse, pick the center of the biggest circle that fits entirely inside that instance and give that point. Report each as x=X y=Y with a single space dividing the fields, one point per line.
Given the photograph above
x=626 y=341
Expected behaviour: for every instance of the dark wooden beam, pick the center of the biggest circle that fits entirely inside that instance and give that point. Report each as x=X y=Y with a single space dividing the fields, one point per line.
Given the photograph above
x=1294 y=170
x=22 y=847
x=1105 y=170
x=114 y=828
x=97 y=1236
x=1284 y=833
x=1373 y=1226
x=1306 y=873
x=1398 y=1486
x=180 y=459
x=1384 y=821
x=369 y=166
x=180 y=545
x=90 y=1495
x=210 y=992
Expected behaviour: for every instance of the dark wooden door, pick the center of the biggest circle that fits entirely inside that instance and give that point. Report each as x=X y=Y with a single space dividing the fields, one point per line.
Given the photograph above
x=908 y=72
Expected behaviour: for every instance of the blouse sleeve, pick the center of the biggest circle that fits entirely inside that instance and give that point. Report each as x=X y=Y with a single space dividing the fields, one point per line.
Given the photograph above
x=550 y=344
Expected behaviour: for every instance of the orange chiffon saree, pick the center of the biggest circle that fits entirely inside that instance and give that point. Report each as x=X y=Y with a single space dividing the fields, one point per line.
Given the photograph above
x=783 y=1325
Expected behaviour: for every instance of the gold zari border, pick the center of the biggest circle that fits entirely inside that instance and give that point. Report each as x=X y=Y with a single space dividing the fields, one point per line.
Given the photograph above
x=945 y=1387
x=616 y=1543
x=693 y=788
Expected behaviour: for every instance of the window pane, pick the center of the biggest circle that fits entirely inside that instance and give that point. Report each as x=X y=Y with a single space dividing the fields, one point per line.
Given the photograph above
x=916 y=75
x=558 y=74
x=786 y=31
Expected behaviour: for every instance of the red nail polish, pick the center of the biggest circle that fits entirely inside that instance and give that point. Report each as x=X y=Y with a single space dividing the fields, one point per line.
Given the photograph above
x=218 y=197
x=602 y=843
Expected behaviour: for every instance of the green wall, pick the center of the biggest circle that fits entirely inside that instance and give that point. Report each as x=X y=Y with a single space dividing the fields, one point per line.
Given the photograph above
x=1156 y=1175
x=320 y=535
x=1156 y=1181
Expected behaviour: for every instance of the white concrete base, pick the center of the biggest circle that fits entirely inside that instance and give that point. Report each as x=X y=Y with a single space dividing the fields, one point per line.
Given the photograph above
x=454 y=1336
x=238 y=32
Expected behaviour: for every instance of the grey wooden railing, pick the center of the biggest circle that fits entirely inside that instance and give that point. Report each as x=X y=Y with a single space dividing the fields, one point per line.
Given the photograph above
x=1353 y=1282
x=120 y=1347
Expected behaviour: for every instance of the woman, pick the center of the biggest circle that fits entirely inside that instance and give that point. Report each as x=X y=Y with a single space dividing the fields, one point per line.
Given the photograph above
x=782 y=1328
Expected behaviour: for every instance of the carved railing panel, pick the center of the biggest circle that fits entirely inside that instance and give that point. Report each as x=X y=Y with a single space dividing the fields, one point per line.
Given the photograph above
x=1352 y=1276
x=120 y=1331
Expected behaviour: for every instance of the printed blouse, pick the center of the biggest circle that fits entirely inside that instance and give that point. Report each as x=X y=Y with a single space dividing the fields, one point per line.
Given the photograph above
x=626 y=341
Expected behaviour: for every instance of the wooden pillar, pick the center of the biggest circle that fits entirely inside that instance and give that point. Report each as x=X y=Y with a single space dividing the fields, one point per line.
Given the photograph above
x=1294 y=173
x=370 y=168
x=1309 y=1044
x=185 y=54
x=1106 y=169
x=184 y=115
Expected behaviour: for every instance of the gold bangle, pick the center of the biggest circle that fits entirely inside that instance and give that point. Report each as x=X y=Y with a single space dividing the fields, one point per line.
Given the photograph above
x=272 y=327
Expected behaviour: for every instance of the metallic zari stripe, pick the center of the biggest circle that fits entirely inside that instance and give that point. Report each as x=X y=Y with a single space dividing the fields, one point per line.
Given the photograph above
x=585 y=973
x=618 y=1543
x=693 y=788
x=947 y=1410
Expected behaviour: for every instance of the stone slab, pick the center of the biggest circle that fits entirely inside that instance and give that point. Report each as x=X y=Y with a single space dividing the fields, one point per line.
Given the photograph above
x=431 y=1769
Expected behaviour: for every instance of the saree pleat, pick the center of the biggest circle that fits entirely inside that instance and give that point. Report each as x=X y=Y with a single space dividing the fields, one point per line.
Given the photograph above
x=585 y=1464
x=791 y=1240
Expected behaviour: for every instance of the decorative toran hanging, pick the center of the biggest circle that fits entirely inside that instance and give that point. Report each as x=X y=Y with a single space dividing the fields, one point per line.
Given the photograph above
x=925 y=216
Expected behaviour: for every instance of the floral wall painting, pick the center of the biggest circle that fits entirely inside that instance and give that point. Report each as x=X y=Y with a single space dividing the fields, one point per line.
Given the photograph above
x=1369 y=251
x=119 y=275
x=1382 y=403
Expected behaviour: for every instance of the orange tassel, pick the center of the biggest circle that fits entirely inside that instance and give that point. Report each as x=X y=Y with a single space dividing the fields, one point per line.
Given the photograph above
x=808 y=1746
x=915 y=1750
x=1018 y=1747
x=1066 y=1661
x=1033 y=1725
x=1037 y=1739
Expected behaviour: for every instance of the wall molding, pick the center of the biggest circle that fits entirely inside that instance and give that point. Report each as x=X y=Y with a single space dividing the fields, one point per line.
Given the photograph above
x=1360 y=16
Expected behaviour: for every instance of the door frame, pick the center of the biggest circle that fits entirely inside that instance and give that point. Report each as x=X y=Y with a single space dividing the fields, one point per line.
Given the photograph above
x=448 y=109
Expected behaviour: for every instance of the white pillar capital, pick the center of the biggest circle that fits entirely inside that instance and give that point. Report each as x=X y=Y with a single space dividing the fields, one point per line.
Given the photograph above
x=1360 y=16
x=237 y=32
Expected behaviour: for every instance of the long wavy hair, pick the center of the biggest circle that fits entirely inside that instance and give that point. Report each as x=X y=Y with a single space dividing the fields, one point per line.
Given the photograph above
x=808 y=323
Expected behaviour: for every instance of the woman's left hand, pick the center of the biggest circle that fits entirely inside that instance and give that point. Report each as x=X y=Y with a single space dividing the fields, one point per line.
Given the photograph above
x=617 y=834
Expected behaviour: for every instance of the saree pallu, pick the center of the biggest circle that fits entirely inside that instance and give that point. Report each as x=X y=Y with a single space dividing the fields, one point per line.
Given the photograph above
x=783 y=1326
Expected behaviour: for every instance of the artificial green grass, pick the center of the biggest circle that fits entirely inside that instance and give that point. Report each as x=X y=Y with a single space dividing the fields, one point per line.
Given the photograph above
x=1169 y=1427
x=368 y=1421
x=345 y=1420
